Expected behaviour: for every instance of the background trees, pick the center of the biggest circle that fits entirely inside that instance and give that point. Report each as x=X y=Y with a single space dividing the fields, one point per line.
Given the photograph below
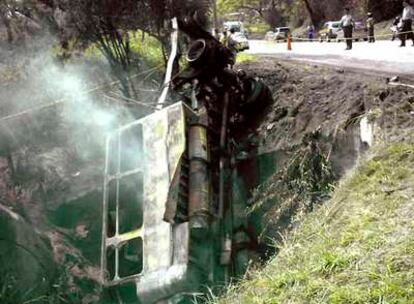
x=281 y=12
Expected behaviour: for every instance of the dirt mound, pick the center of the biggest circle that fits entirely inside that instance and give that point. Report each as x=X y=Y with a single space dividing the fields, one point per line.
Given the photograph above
x=312 y=134
x=310 y=97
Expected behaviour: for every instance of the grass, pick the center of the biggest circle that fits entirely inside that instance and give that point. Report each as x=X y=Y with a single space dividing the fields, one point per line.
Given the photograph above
x=358 y=248
x=258 y=28
x=244 y=58
x=146 y=47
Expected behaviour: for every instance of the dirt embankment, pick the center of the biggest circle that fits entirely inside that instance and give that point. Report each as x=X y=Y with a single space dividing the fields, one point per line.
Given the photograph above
x=356 y=247
x=308 y=98
x=313 y=132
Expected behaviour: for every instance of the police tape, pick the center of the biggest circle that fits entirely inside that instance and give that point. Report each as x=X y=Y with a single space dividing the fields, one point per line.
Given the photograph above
x=344 y=39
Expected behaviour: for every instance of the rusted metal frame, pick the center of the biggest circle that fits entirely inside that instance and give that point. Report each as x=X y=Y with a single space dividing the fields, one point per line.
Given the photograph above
x=105 y=214
x=121 y=175
x=116 y=277
x=223 y=133
x=170 y=64
x=118 y=240
x=199 y=187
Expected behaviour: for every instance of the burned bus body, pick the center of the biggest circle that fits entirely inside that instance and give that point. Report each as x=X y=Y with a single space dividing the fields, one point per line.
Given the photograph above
x=174 y=225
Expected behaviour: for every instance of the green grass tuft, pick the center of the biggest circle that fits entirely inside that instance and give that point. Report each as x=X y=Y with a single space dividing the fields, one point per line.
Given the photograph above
x=244 y=58
x=357 y=248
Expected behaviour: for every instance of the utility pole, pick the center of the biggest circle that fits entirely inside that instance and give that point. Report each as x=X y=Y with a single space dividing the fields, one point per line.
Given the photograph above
x=215 y=16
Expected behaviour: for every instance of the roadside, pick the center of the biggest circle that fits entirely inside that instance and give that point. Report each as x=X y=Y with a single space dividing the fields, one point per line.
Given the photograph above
x=312 y=134
x=357 y=246
x=383 y=56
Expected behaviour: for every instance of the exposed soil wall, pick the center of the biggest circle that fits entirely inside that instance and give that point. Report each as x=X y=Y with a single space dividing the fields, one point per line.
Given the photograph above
x=321 y=122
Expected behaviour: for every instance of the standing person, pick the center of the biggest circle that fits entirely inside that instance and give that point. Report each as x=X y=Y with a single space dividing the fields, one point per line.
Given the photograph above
x=407 y=23
x=231 y=42
x=395 y=27
x=216 y=34
x=311 y=30
x=370 y=27
x=224 y=37
x=347 y=24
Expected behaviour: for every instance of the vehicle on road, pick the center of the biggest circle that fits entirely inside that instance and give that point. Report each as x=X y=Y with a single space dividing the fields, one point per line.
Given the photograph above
x=238 y=26
x=359 y=33
x=242 y=42
x=330 y=31
x=280 y=33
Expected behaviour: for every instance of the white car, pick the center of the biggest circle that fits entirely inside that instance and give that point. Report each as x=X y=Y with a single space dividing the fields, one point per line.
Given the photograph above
x=280 y=33
x=236 y=25
x=330 y=30
x=242 y=42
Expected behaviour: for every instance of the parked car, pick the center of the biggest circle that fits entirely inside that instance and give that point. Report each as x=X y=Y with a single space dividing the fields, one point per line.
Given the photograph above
x=330 y=31
x=359 y=33
x=238 y=26
x=242 y=42
x=270 y=35
x=280 y=33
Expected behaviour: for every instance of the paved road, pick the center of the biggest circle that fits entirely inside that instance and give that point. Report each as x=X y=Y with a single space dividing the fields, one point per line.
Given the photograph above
x=384 y=56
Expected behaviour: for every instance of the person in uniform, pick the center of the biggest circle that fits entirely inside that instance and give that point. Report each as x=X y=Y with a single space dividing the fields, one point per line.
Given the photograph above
x=347 y=24
x=370 y=28
x=407 y=23
x=224 y=37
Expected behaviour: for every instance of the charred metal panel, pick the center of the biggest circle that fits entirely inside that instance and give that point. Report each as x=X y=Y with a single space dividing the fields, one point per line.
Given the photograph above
x=137 y=245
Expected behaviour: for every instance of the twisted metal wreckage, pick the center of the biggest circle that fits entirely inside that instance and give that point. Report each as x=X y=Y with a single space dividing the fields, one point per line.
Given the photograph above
x=174 y=225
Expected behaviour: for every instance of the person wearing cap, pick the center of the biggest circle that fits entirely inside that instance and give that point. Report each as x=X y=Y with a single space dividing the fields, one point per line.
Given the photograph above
x=347 y=24
x=370 y=28
x=407 y=23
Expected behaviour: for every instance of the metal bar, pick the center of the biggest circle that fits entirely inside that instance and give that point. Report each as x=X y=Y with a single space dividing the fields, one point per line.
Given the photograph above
x=215 y=20
x=119 y=281
x=125 y=174
x=198 y=186
x=122 y=238
x=222 y=157
x=117 y=186
x=105 y=213
x=116 y=277
x=168 y=73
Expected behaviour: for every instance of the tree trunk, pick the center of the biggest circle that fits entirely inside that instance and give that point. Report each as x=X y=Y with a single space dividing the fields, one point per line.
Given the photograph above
x=7 y=24
x=314 y=16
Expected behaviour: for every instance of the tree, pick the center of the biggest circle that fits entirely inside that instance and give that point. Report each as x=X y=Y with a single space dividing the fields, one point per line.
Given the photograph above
x=268 y=10
x=6 y=12
x=107 y=23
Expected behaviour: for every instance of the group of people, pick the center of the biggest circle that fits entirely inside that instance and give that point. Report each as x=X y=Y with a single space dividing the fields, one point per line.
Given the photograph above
x=403 y=25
